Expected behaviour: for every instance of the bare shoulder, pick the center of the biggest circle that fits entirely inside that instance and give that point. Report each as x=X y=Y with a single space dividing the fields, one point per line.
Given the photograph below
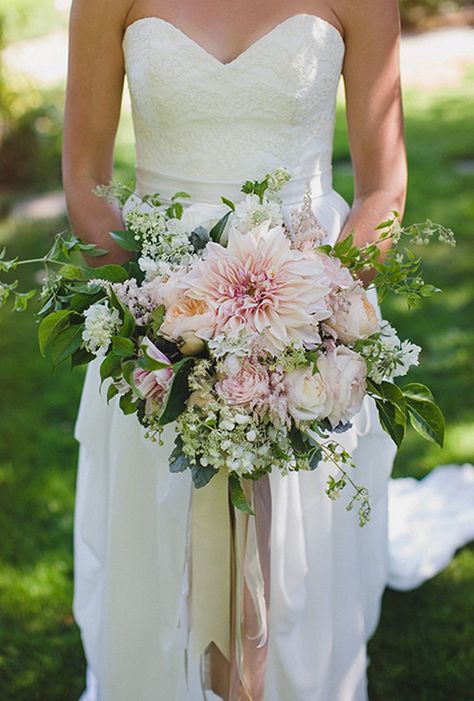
x=94 y=16
x=371 y=18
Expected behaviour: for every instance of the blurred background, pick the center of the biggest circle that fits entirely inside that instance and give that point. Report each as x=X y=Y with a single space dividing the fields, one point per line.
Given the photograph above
x=424 y=647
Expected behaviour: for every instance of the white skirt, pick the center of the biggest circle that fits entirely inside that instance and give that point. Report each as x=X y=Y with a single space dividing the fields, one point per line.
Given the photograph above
x=328 y=573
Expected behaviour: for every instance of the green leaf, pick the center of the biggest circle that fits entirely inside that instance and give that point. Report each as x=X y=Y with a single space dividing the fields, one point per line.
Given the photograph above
x=112 y=392
x=229 y=203
x=128 y=322
x=127 y=403
x=419 y=392
x=157 y=317
x=237 y=495
x=199 y=238
x=202 y=475
x=51 y=326
x=111 y=366
x=178 y=393
x=73 y=272
x=21 y=300
x=65 y=343
x=391 y=420
x=427 y=419
x=124 y=347
x=180 y=195
x=342 y=247
x=218 y=228
x=111 y=273
x=7 y=265
x=80 y=357
x=126 y=240
x=316 y=455
x=178 y=462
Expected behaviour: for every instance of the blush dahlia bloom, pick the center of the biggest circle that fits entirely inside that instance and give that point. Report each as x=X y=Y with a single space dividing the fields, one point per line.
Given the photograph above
x=259 y=282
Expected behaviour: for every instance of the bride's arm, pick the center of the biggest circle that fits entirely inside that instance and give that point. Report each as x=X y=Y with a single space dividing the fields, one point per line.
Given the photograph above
x=93 y=100
x=374 y=114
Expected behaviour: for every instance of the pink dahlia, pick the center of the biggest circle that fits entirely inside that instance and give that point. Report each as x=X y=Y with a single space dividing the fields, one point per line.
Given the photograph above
x=261 y=283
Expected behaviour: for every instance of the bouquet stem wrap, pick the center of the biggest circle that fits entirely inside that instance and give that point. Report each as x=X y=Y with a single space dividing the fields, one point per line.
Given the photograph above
x=230 y=586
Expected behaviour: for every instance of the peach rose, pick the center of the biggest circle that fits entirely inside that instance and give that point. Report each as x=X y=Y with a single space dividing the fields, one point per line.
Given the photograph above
x=184 y=319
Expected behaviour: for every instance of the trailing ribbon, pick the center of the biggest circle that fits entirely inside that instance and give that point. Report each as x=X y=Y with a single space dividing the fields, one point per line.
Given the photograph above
x=230 y=577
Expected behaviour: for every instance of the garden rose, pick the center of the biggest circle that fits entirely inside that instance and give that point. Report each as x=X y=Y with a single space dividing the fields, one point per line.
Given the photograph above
x=153 y=384
x=338 y=275
x=308 y=398
x=353 y=317
x=247 y=387
x=344 y=375
x=184 y=319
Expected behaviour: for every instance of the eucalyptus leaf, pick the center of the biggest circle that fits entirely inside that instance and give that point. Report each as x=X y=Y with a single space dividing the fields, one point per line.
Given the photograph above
x=202 y=475
x=179 y=463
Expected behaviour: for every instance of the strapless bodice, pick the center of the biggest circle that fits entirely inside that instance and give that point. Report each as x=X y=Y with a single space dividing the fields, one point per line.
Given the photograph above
x=199 y=118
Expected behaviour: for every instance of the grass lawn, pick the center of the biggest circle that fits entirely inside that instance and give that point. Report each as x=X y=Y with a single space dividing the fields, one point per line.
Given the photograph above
x=423 y=648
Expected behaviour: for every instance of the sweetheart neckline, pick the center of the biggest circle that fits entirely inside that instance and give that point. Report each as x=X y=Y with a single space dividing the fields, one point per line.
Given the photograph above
x=245 y=52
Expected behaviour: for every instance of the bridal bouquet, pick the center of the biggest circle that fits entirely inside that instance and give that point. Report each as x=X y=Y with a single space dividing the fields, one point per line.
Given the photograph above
x=251 y=334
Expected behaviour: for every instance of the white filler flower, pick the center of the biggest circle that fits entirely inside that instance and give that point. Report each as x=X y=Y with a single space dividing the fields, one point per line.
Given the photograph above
x=101 y=322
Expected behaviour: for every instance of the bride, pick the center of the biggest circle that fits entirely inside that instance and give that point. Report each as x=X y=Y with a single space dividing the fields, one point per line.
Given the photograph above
x=222 y=92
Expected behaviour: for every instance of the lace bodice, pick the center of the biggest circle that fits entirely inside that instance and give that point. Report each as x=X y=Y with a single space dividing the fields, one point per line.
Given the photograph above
x=197 y=117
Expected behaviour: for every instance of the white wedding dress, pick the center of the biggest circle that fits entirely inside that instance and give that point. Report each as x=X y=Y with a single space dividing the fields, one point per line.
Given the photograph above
x=204 y=126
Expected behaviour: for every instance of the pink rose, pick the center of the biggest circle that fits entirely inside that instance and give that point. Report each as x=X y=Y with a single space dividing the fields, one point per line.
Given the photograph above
x=344 y=375
x=248 y=386
x=353 y=315
x=153 y=384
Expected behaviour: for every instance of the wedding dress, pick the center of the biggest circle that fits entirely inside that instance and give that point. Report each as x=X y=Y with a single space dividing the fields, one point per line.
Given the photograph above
x=204 y=126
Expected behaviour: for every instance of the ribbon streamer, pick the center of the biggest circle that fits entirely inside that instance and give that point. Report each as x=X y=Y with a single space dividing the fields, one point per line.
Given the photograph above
x=230 y=584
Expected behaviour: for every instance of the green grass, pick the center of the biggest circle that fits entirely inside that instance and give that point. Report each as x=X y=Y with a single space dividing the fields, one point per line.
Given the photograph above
x=423 y=647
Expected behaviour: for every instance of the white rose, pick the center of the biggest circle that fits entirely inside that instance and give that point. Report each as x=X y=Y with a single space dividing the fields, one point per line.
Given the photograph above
x=353 y=316
x=307 y=395
x=344 y=375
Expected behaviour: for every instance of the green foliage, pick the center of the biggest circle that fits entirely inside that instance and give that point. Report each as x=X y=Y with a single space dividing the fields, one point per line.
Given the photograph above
x=30 y=147
x=24 y=19
x=414 y=11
